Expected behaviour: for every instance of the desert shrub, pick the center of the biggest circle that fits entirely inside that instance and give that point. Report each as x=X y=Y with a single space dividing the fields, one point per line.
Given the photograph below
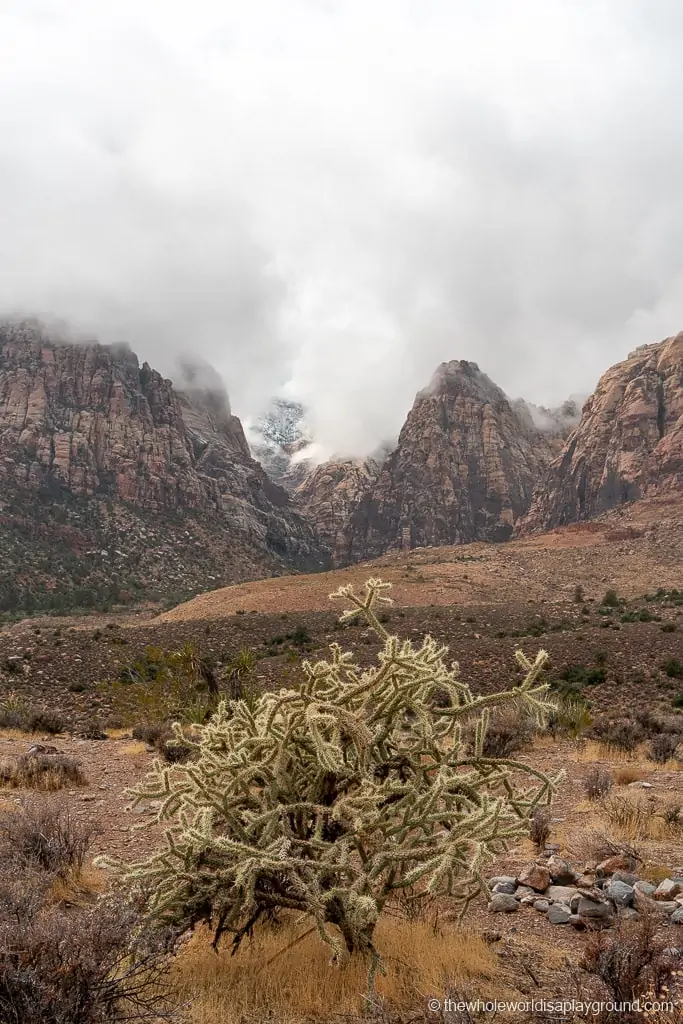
x=672 y=668
x=508 y=732
x=84 y=965
x=41 y=771
x=330 y=798
x=598 y=783
x=45 y=720
x=617 y=733
x=573 y=678
x=540 y=827
x=579 y=596
x=14 y=711
x=571 y=715
x=611 y=599
x=663 y=747
x=42 y=834
x=678 y=701
x=165 y=742
x=92 y=729
x=11 y=719
x=150 y=732
x=668 y=627
x=629 y=960
x=164 y=685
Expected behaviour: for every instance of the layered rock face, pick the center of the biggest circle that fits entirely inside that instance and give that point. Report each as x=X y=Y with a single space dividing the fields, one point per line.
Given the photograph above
x=86 y=422
x=336 y=496
x=463 y=470
x=628 y=445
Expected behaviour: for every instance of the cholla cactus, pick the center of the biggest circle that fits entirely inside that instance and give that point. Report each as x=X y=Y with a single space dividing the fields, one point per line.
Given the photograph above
x=331 y=798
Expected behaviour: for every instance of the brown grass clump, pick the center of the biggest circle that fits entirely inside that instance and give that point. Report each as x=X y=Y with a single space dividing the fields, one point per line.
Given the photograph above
x=42 y=834
x=41 y=771
x=639 y=817
x=278 y=977
x=627 y=774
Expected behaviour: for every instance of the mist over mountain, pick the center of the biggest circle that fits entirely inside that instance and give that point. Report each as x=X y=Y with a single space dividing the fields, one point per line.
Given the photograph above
x=490 y=182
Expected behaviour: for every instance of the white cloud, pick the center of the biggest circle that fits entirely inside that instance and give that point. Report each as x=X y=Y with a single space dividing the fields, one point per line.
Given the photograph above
x=343 y=195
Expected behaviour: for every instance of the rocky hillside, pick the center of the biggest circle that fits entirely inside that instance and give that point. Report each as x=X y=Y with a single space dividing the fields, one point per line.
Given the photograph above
x=463 y=470
x=114 y=485
x=628 y=445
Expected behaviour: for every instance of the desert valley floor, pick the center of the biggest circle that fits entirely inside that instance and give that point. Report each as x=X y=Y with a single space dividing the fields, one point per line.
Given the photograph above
x=624 y=651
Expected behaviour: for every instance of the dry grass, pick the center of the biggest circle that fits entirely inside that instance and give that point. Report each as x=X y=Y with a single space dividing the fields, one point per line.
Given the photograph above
x=45 y=773
x=627 y=774
x=263 y=981
x=134 y=748
x=635 y=816
x=593 y=751
x=78 y=888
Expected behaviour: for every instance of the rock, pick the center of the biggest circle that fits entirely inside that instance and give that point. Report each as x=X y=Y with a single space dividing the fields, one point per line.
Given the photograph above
x=625 y=876
x=620 y=862
x=561 y=893
x=620 y=893
x=507 y=887
x=586 y=880
x=535 y=876
x=501 y=880
x=503 y=903
x=541 y=906
x=628 y=445
x=668 y=889
x=334 y=495
x=577 y=922
x=646 y=888
x=86 y=422
x=595 y=912
x=525 y=890
x=558 y=913
x=463 y=469
x=677 y=916
x=561 y=871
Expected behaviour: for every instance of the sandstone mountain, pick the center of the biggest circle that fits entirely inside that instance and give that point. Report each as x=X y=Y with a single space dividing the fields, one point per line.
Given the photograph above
x=113 y=482
x=628 y=445
x=463 y=470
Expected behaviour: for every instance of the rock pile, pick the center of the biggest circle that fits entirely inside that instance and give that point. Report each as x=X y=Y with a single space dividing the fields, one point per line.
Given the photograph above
x=597 y=896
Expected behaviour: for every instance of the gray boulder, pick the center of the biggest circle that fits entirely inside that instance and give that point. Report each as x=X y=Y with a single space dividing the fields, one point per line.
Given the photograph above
x=677 y=916
x=506 y=887
x=501 y=880
x=541 y=906
x=559 y=913
x=561 y=893
x=525 y=890
x=625 y=876
x=620 y=894
x=598 y=913
x=503 y=903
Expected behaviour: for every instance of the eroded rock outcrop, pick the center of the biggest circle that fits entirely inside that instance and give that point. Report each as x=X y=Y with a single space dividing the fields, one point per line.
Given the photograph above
x=88 y=423
x=463 y=469
x=628 y=445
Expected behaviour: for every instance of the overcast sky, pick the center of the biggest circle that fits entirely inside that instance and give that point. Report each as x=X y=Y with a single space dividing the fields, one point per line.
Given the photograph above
x=334 y=196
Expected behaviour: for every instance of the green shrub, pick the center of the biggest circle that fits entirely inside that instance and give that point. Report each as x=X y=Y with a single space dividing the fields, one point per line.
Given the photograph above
x=672 y=668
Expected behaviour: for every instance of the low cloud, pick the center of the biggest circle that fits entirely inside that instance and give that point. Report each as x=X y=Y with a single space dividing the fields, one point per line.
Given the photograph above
x=327 y=200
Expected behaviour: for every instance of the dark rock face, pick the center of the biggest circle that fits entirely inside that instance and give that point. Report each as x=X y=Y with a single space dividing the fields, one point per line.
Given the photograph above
x=87 y=422
x=628 y=445
x=463 y=469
